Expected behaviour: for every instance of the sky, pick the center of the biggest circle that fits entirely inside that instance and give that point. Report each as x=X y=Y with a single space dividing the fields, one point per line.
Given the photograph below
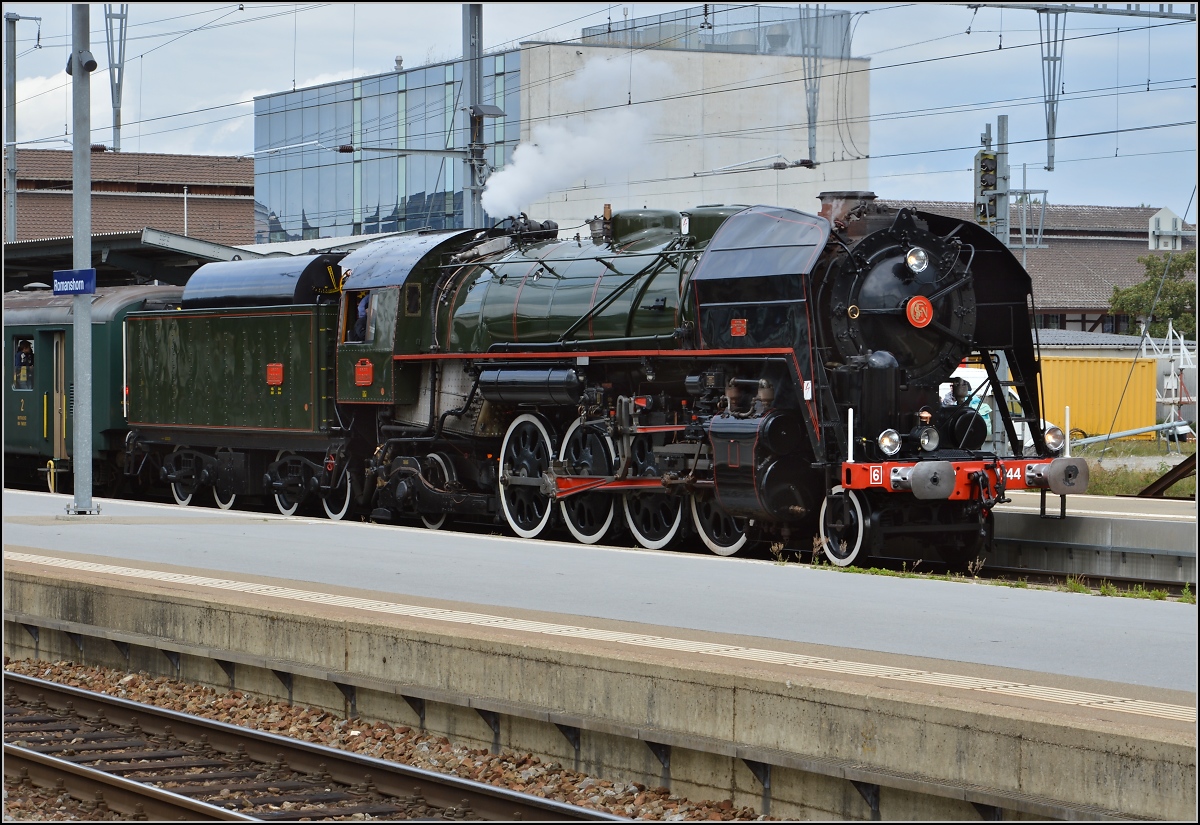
x=938 y=74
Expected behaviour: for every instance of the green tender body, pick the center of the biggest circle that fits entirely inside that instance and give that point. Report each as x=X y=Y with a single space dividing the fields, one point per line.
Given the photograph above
x=216 y=369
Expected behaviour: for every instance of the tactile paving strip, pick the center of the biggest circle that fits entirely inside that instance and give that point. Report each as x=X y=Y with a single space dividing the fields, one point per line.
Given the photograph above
x=1008 y=688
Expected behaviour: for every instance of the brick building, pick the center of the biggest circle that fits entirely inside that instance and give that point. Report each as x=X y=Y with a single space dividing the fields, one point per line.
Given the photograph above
x=202 y=196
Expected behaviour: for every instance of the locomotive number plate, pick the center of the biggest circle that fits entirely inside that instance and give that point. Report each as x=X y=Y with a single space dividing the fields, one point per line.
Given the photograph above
x=737 y=327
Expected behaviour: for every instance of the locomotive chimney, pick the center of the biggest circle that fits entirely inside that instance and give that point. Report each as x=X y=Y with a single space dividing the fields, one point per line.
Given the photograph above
x=602 y=226
x=846 y=208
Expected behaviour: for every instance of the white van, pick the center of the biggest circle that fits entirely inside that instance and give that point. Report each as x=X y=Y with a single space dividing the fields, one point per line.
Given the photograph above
x=997 y=440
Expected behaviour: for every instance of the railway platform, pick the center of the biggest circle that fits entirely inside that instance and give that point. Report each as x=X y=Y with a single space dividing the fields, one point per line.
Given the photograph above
x=804 y=692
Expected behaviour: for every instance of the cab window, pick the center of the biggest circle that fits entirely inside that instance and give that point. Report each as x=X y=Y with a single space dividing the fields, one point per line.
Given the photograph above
x=22 y=364
x=359 y=317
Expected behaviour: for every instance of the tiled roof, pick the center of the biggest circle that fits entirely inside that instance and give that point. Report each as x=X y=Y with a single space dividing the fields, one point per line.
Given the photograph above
x=138 y=167
x=1080 y=274
x=221 y=220
x=1063 y=217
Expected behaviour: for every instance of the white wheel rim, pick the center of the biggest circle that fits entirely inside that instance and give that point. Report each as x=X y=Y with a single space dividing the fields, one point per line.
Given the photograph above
x=580 y=536
x=180 y=499
x=340 y=512
x=651 y=544
x=535 y=531
x=291 y=507
x=224 y=505
x=826 y=542
x=719 y=549
x=429 y=521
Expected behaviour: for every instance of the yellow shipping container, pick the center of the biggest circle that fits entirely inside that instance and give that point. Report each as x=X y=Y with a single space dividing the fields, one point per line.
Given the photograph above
x=1092 y=387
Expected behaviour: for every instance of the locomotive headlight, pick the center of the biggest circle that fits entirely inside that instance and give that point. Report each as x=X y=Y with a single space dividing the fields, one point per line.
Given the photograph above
x=889 y=442
x=1055 y=439
x=917 y=260
x=929 y=439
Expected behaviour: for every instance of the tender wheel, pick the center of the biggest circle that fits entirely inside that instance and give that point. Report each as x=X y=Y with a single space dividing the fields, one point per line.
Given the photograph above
x=224 y=503
x=721 y=533
x=183 y=491
x=286 y=503
x=843 y=526
x=223 y=496
x=524 y=456
x=587 y=452
x=440 y=473
x=336 y=502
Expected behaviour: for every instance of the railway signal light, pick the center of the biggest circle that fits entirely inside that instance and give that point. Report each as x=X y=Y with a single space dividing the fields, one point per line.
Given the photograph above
x=985 y=187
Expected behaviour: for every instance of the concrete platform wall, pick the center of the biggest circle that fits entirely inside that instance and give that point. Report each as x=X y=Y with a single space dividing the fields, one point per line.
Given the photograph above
x=835 y=746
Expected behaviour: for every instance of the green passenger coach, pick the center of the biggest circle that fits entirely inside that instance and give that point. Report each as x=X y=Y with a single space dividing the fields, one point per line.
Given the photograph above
x=39 y=344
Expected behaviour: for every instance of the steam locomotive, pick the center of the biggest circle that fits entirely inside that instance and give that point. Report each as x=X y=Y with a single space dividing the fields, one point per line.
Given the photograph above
x=744 y=373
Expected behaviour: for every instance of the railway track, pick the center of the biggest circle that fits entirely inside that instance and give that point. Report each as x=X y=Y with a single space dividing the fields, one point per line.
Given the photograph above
x=158 y=764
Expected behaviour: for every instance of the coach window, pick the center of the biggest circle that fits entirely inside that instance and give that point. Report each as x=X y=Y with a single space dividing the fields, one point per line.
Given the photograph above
x=22 y=364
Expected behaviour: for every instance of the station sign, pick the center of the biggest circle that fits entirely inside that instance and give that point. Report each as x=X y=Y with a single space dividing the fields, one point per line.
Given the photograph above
x=75 y=282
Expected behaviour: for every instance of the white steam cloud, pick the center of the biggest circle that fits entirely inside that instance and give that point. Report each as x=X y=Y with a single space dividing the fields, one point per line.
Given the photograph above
x=606 y=145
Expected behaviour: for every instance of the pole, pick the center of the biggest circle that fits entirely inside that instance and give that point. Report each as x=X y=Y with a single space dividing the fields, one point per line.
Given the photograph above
x=81 y=206
x=116 y=63
x=472 y=92
x=10 y=126
x=1002 y=179
x=185 y=211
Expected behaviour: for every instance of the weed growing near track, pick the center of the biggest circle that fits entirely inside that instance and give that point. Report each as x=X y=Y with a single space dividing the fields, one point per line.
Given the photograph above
x=1074 y=583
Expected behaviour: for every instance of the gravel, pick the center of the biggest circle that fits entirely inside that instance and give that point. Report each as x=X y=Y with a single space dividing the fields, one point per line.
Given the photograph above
x=521 y=772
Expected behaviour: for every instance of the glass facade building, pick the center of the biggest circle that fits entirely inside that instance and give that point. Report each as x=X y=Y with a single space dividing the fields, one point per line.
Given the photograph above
x=307 y=188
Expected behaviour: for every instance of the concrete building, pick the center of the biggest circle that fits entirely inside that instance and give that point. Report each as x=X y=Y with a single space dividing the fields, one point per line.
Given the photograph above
x=201 y=196
x=674 y=111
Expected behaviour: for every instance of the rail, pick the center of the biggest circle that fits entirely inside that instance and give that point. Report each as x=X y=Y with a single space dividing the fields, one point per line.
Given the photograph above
x=259 y=770
x=104 y=790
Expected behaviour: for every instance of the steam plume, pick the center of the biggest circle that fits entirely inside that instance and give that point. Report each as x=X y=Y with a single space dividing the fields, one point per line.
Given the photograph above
x=604 y=145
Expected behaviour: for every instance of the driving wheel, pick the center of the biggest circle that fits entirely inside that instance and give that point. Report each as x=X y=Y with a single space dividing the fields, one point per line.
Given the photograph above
x=587 y=451
x=652 y=518
x=721 y=533
x=525 y=455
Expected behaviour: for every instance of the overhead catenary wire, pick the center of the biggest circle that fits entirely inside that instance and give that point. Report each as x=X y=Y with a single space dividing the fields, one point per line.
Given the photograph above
x=718 y=90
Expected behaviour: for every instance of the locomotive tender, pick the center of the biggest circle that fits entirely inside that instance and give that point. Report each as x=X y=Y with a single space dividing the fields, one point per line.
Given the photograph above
x=741 y=372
